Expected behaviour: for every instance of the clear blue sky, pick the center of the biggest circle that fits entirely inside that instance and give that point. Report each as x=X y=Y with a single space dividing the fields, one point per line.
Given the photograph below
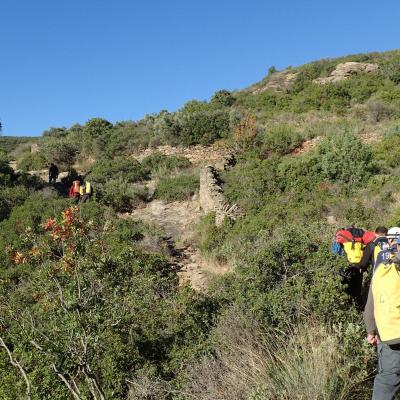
x=63 y=62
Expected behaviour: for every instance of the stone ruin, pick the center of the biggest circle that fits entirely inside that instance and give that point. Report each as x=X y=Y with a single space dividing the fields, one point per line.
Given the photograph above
x=211 y=194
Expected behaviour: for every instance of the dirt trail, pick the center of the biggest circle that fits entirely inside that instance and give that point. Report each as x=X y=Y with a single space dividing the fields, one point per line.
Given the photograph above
x=178 y=220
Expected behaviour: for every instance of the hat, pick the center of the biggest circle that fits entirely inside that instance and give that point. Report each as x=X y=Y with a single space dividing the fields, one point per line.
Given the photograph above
x=393 y=233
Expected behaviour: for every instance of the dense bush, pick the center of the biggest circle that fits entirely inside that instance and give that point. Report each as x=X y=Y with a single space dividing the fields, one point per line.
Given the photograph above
x=121 y=195
x=62 y=152
x=222 y=98
x=180 y=187
x=203 y=127
x=344 y=158
x=281 y=139
x=387 y=151
x=32 y=162
x=158 y=162
x=128 y=169
x=95 y=308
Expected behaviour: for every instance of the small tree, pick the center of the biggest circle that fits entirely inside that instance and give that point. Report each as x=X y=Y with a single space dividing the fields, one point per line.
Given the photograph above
x=345 y=158
x=96 y=127
x=222 y=98
x=271 y=70
x=61 y=152
x=245 y=131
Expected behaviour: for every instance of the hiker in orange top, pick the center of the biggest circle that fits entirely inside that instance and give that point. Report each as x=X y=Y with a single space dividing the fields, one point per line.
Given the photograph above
x=74 y=191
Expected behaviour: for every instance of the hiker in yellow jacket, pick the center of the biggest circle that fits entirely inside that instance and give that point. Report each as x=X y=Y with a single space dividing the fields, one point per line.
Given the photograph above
x=85 y=192
x=382 y=319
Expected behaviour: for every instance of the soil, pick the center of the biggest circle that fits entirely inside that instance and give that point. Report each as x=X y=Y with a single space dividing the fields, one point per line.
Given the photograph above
x=178 y=220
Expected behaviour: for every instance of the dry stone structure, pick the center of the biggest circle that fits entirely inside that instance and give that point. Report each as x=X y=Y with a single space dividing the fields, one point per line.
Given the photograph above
x=195 y=154
x=212 y=198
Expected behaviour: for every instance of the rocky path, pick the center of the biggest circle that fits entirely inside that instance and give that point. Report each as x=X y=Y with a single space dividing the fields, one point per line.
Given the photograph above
x=178 y=220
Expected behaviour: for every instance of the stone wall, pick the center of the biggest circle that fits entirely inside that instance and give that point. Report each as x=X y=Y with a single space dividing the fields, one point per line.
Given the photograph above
x=212 y=198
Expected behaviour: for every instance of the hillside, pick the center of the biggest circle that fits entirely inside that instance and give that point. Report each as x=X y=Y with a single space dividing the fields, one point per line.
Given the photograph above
x=201 y=268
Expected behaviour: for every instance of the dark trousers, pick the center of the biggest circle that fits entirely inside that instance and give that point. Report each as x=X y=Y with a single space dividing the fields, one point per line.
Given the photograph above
x=52 y=178
x=387 y=380
x=352 y=277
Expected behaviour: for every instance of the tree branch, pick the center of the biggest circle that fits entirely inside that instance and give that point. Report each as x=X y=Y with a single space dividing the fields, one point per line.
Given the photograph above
x=16 y=364
x=74 y=392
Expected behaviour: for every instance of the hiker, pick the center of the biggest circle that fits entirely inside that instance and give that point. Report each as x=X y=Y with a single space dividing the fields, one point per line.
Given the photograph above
x=53 y=173
x=382 y=320
x=350 y=242
x=373 y=248
x=74 y=191
x=85 y=192
x=392 y=236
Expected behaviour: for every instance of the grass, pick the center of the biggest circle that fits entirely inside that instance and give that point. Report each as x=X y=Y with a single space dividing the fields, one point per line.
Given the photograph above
x=308 y=361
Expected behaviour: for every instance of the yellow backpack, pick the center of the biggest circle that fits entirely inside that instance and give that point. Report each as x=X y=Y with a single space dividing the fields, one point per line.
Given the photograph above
x=385 y=286
x=88 y=188
x=354 y=251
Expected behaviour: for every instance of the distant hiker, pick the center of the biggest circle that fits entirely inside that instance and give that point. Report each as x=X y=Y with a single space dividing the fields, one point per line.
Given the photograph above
x=53 y=173
x=373 y=248
x=382 y=320
x=74 y=191
x=350 y=242
x=85 y=192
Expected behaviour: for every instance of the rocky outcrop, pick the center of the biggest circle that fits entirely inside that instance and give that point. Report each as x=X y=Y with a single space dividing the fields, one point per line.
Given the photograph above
x=279 y=81
x=212 y=198
x=345 y=70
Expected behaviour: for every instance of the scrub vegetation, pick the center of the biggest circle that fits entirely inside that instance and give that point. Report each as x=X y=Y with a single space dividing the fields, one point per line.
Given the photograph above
x=87 y=311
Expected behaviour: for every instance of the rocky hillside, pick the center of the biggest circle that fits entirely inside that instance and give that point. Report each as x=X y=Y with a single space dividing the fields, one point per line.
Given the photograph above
x=201 y=266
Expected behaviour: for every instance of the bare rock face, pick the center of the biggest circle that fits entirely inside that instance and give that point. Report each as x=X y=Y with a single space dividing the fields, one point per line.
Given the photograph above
x=279 y=81
x=345 y=70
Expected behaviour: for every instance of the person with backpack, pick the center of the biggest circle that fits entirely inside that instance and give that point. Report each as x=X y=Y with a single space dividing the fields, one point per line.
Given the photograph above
x=53 y=173
x=392 y=235
x=372 y=249
x=74 y=190
x=85 y=192
x=350 y=242
x=382 y=320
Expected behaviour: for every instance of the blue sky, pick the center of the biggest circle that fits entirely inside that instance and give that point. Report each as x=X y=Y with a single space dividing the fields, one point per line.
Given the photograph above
x=64 y=62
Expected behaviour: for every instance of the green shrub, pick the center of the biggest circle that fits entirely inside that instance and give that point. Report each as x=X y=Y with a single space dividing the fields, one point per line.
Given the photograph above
x=378 y=110
x=203 y=127
x=222 y=98
x=12 y=197
x=387 y=151
x=120 y=194
x=280 y=139
x=62 y=152
x=32 y=162
x=180 y=187
x=127 y=169
x=346 y=159
x=7 y=175
x=97 y=127
x=167 y=164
